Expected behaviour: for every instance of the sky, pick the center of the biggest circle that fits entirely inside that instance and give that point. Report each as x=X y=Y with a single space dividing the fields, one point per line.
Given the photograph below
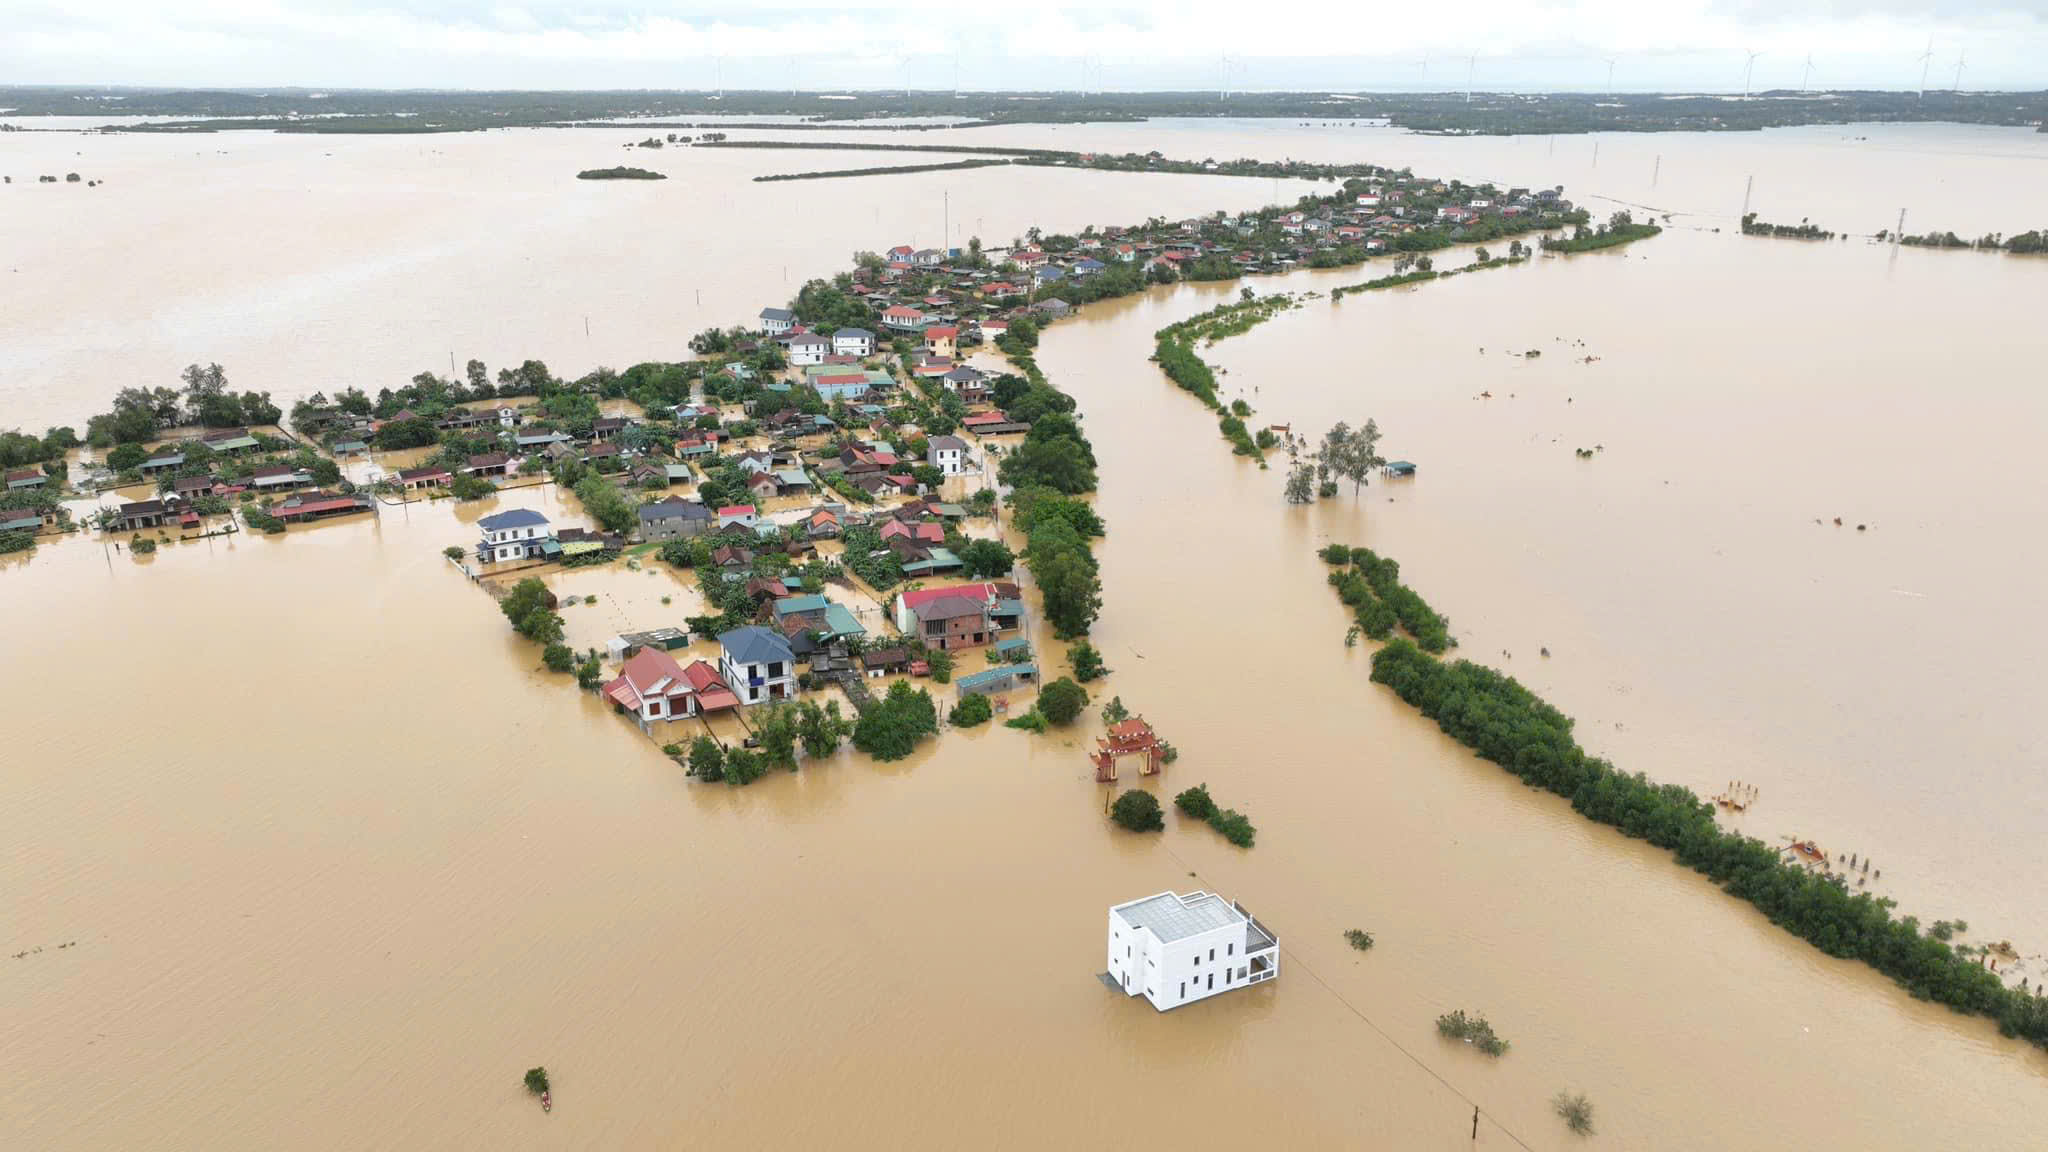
x=1667 y=45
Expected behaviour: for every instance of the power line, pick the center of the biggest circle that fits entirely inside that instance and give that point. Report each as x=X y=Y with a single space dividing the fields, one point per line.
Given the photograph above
x=1295 y=960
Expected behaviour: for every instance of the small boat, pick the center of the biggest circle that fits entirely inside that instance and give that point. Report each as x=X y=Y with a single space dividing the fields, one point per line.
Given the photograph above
x=547 y=1101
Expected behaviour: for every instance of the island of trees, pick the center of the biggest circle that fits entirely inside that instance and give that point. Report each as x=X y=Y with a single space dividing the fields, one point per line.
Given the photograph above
x=622 y=172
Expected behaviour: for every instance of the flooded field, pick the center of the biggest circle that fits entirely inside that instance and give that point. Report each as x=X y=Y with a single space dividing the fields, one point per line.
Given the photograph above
x=337 y=860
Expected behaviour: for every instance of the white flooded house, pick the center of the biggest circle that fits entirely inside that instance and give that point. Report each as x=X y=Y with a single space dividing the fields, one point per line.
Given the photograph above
x=853 y=342
x=948 y=454
x=776 y=321
x=1177 y=949
x=515 y=535
x=809 y=348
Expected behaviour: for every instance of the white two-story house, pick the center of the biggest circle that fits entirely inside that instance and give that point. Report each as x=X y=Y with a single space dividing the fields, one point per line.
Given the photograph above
x=1174 y=949
x=514 y=535
x=757 y=663
x=853 y=342
x=776 y=321
x=948 y=454
x=809 y=348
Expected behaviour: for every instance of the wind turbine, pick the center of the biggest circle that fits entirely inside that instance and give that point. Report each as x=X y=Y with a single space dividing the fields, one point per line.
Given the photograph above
x=1423 y=81
x=1747 y=70
x=1471 y=65
x=1958 y=86
x=1808 y=77
x=1610 y=77
x=1926 y=58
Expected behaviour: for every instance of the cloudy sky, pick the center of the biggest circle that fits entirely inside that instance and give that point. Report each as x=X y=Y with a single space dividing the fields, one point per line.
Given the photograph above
x=1695 y=45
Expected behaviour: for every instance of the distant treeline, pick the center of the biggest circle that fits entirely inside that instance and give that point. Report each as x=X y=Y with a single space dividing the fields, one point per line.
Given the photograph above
x=897 y=170
x=1501 y=720
x=308 y=110
x=1803 y=230
x=619 y=173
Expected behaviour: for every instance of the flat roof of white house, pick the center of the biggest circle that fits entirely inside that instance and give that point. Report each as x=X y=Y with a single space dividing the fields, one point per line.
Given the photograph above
x=1174 y=917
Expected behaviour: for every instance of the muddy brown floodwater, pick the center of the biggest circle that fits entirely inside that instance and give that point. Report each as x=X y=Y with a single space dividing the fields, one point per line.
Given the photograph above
x=340 y=861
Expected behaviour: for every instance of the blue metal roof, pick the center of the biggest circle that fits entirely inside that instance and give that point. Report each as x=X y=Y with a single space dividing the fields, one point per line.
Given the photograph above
x=512 y=518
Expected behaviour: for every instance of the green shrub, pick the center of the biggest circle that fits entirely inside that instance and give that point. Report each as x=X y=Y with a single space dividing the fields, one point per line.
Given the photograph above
x=1359 y=938
x=1086 y=662
x=1195 y=802
x=1062 y=700
x=1473 y=1030
x=1575 y=1110
x=1137 y=811
x=1234 y=827
x=141 y=545
x=972 y=711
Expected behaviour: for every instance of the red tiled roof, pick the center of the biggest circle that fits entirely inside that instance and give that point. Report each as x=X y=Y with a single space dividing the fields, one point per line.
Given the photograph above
x=737 y=510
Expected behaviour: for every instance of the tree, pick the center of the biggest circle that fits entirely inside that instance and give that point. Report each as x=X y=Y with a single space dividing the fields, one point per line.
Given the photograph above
x=892 y=726
x=1575 y=1110
x=707 y=758
x=1086 y=662
x=1350 y=454
x=775 y=729
x=536 y=1080
x=820 y=729
x=1195 y=802
x=1301 y=483
x=1062 y=700
x=1137 y=811
x=453 y=552
x=602 y=499
x=1114 y=712
x=530 y=608
x=987 y=559
x=558 y=658
x=127 y=457
x=589 y=673
x=972 y=711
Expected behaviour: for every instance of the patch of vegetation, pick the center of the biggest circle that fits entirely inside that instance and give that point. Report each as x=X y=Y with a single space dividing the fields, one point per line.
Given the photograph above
x=975 y=710
x=1372 y=588
x=1196 y=802
x=537 y=1081
x=1751 y=226
x=141 y=545
x=1062 y=701
x=1086 y=662
x=1620 y=229
x=1359 y=938
x=1575 y=1110
x=1137 y=811
x=1473 y=1030
x=892 y=726
x=1502 y=721
x=895 y=170
x=621 y=172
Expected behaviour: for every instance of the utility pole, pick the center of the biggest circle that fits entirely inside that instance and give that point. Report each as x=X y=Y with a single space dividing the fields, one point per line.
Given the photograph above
x=1656 y=168
x=946 y=230
x=1747 y=187
x=1901 y=231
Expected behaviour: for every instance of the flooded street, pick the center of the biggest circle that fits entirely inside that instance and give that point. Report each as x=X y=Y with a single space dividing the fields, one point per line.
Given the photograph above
x=340 y=860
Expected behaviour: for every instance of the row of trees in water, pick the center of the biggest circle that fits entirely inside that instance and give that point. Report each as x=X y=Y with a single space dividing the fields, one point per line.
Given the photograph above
x=1503 y=721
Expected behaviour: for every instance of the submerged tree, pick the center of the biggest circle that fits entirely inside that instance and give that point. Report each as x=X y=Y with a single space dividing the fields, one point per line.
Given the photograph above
x=1301 y=483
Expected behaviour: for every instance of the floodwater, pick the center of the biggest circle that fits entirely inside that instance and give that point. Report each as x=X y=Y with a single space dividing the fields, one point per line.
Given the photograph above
x=340 y=861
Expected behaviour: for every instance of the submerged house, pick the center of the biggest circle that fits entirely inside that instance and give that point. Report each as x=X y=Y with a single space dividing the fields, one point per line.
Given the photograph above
x=652 y=686
x=516 y=534
x=1175 y=950
x=758 y=664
